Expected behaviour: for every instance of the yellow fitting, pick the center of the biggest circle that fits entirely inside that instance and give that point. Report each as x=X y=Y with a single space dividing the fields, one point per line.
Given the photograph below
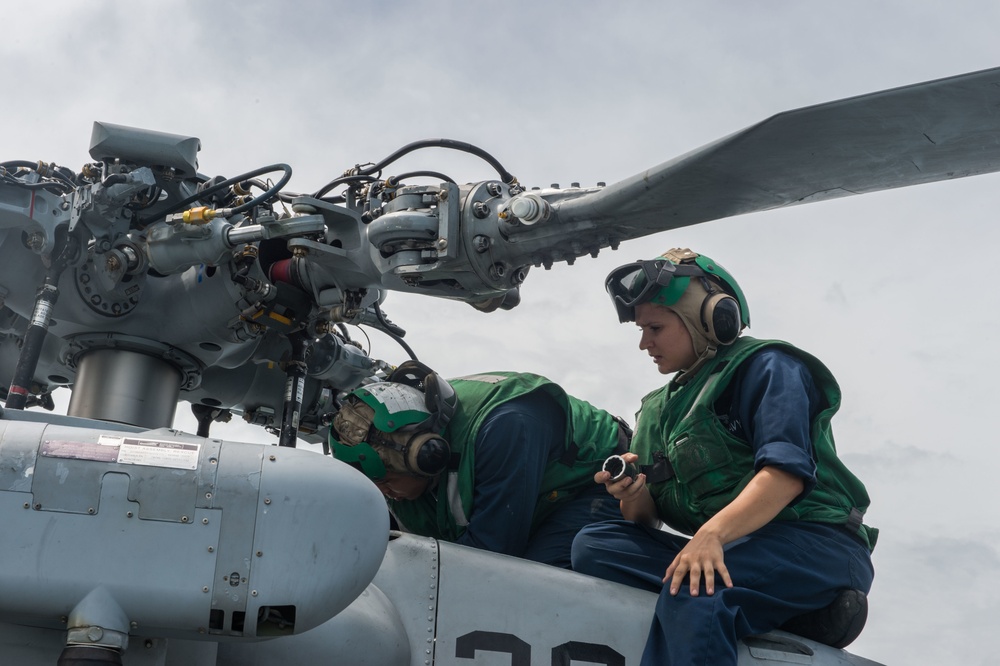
x=199 y=215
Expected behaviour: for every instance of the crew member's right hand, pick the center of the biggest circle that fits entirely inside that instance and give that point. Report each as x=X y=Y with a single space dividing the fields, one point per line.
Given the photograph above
x=624 y=489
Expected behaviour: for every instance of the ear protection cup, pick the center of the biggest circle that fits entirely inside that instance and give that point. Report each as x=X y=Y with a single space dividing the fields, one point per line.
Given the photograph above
x=427 y=454
x=720 y=317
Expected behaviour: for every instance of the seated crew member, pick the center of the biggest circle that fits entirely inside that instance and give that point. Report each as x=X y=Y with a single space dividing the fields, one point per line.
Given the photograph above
x=500 y=461
x=736 y=451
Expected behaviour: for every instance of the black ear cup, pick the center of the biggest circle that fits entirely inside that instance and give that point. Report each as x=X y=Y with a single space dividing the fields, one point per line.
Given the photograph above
x=427 y=454
x=720 y=316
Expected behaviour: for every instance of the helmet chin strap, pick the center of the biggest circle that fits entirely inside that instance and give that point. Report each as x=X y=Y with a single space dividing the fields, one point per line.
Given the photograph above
x=685 y=374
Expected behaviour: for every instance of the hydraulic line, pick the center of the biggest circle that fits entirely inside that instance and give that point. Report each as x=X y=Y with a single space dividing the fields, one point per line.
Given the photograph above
x=203 y=195
x=364 y=173
x=462 y=146
x=38 y=327
x=295 y=384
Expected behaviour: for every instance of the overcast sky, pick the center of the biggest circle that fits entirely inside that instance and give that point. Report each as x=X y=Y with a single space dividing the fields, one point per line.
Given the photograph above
x=895 y=291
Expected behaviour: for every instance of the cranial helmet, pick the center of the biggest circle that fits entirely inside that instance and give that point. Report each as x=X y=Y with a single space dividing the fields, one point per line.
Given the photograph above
x=396 y=425
x=722 y=311
x=701 y=292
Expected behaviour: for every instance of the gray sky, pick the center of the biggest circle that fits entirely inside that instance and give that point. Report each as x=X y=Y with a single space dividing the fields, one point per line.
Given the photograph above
x=894 y=291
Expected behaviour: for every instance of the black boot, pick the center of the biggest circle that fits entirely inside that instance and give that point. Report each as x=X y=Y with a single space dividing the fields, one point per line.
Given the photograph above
x=837 y=625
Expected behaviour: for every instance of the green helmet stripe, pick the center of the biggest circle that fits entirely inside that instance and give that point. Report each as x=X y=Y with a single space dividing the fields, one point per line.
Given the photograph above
x=718 y=271
x=672 y=292
x=361 y=456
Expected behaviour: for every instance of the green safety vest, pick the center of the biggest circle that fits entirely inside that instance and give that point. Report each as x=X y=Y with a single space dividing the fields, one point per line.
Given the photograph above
x=710 y=466
x=591 y=436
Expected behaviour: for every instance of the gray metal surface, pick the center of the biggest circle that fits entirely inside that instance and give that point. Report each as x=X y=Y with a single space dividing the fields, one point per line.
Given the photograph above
x=186 y=527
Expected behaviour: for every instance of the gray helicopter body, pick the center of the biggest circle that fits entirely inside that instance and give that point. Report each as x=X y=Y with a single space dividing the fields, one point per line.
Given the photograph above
x=137 y=282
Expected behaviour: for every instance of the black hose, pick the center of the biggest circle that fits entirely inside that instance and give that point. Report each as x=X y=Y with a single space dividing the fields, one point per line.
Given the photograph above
x=34 y=336
x=295 y=377
x=364 y=174
x=344 y=180
x=18 y=164
x=452 y=144
x=199 y=196
x=395 y=180
x=61 y=179
x=393 y=331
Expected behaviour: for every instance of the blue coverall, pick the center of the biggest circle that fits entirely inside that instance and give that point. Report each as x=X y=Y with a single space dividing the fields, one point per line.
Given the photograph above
x=779 y=571
x=515 y=443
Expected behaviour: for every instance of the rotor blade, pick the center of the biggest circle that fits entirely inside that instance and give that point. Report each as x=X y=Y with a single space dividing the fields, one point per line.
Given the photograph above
x=949 y=128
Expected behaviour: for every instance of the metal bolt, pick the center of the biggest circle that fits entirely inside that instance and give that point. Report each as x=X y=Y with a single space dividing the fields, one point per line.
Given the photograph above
x=211 y=549
x=494 y=188
x=36 y=241
x=208 y=495
x=267 y=500
x=260 y=554
x=27 y=505
x=253 y=593
x=271 y=458
x=128 y=515
x=480 y=210
x=204 y=521
x=205 y=589
x=37 y=506
x=184 y=519
x=90 y=510
x=441 y=244
x=481 y=243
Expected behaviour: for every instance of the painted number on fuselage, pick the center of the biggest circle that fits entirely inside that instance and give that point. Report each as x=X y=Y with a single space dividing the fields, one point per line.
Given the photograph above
x=520 y=652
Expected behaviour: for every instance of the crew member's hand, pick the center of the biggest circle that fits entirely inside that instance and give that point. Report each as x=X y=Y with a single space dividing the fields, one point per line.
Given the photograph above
x=624 y=489
x=702 y=557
